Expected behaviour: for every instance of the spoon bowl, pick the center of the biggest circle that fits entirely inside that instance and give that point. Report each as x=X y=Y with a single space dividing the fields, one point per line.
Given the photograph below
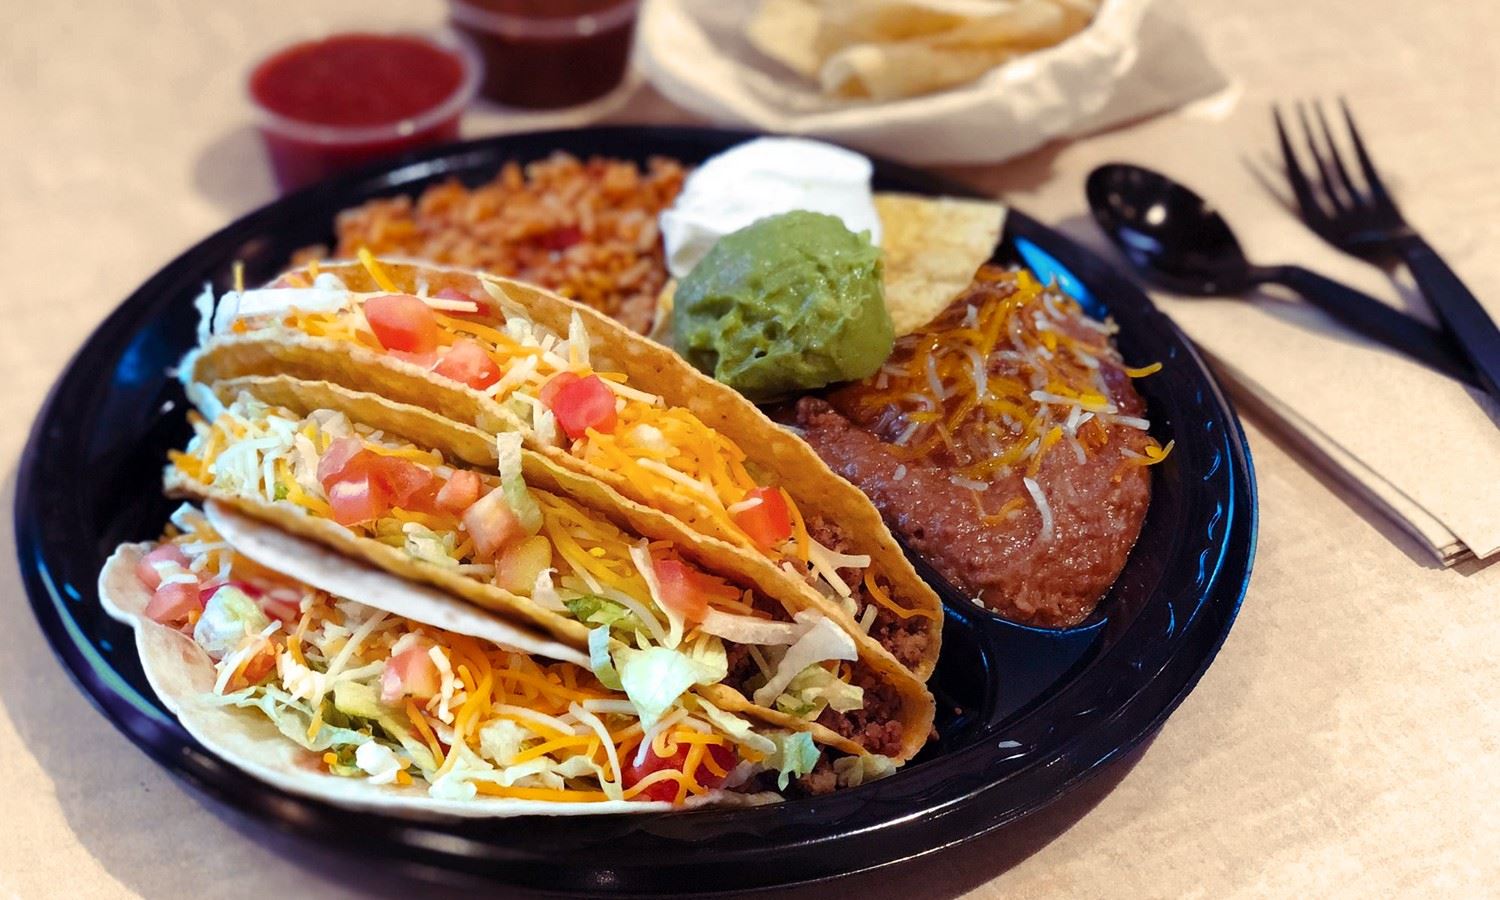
x=1181 y=243
x=1167 y=231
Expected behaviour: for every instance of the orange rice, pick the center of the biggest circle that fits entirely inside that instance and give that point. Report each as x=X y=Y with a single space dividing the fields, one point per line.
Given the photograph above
x=587 y=230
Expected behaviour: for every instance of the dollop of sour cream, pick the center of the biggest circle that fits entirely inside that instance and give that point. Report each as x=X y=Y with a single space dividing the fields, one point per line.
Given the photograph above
x=761 y=178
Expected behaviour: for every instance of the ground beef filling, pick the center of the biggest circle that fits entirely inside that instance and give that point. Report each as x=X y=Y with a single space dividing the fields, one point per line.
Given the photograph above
x=876 y=726
x=1097 y=506
x=821 y=780
x=907 y=639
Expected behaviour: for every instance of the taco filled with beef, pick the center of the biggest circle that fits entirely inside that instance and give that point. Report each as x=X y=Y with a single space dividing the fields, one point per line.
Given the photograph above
x=657 y=616
x=342 y=682
x=700 y=462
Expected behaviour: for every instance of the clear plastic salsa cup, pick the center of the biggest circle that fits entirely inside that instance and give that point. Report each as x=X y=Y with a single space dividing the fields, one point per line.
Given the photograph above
x=545 y=54
x=333 y=103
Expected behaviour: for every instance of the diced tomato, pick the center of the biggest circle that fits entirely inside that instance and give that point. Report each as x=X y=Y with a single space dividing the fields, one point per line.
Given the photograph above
x=362 y=484
x=560 y=238
x=145 y=570
x=687 y=591
x=492 y=524
x=356 y=500
x=403 y=481
x=769 y=522
x=549 y=391
x=410 y=673
x=337 y=457
x=679 y=590
x=172 y=602
x=459 y=492
x=580 y=403
x=468 y=362
x=516 y=569
x=424 y=499
x=451 y=293
x=723 y=757
x=402 y=322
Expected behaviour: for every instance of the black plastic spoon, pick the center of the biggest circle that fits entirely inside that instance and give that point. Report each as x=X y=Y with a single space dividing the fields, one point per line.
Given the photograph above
x=1180 y=242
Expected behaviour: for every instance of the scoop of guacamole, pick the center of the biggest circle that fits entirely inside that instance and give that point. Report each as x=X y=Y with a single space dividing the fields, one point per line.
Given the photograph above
x=788 y=303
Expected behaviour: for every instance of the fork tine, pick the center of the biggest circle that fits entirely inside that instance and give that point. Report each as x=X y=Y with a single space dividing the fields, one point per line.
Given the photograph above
x=1325 y=170
x=1372 y=177
x=1312 y=213
x=1353 y=193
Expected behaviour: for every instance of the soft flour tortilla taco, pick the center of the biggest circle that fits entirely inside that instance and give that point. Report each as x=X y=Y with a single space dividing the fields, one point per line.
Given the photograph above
x=594 y=399
x=658 y=616
x=409 y=700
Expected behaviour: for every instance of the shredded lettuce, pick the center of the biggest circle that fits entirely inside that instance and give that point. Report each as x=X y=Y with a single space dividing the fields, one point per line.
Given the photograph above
x=655 y=677
x=501 y=739
x=600 y=660
x=795 y=755
x=853 y=771
x=230 y=616
x=793 y=705
x=709 y=651
x=292 y=718
x=544 y=423
x=749 y=629
x=822 y=641
x=592 y=609
x=737 y=729
x=513 y=482
x=427 y=545
x=460 y=769
x=815 y=688
x=641 y=556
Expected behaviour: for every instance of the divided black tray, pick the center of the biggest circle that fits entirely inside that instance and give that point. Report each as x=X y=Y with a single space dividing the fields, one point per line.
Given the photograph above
x=1025 y=714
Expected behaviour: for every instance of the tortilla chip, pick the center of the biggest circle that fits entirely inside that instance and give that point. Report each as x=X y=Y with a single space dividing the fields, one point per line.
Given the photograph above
x=787 y=31
x=932 y=248
x=892 y=49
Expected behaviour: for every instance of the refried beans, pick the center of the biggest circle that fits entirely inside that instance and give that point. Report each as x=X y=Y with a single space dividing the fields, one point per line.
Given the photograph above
x=1006 y=444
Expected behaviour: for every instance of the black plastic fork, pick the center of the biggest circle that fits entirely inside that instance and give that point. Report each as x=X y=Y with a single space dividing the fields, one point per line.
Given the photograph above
x=1365 y=222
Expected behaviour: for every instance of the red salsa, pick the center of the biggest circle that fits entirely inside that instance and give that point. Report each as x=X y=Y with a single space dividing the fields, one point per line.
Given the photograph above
x=352 y=98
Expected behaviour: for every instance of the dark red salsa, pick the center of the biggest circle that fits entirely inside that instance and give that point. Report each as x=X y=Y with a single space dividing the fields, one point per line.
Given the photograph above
x=351 y=98
x=549 y=53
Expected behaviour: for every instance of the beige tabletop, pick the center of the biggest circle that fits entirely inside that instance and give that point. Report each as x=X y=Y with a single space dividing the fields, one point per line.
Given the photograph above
x=1345 y=742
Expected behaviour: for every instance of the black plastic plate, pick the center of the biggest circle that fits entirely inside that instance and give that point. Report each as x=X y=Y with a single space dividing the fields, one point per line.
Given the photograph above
x=1025 y=714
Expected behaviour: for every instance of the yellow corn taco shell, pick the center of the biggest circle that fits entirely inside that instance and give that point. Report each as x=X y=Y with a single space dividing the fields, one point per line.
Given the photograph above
x=785 y=459
x=429 y=430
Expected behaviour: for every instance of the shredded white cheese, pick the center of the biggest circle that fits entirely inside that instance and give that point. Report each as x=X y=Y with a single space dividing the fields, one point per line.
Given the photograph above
x=1041 y=505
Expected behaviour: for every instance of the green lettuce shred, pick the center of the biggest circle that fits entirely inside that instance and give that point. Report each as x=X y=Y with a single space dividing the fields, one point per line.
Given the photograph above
x=795 y=755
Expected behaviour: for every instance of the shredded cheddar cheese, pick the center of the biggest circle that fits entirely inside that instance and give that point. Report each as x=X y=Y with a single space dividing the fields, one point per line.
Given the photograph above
x=372 y=266
x=1008 y=377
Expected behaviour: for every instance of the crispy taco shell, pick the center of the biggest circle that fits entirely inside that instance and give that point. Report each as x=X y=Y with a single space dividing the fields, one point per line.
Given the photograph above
x=182 y=675
x=651 y=367
x=423 y=427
